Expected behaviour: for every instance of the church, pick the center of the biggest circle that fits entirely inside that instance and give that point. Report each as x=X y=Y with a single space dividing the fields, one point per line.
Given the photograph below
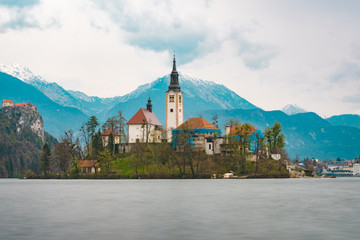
x=144 y=126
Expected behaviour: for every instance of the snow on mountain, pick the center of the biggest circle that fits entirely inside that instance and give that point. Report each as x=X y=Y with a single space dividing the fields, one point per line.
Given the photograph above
x=292 y=109
x=199 y=95
x=21 y=72
x=51 y=90
x=213 y=93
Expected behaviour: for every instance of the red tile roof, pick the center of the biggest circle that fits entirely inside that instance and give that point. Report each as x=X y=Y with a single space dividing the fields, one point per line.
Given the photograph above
x=239 y=129
x=8 y=101
x=107 y=132
x=87 y=163
x=20 y=104
x=194 y=123
x=144 y=116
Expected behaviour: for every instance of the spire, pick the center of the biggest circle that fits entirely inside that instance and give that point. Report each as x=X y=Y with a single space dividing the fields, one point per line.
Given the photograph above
x=174 y=78
x=174 y=64
x=149 y=105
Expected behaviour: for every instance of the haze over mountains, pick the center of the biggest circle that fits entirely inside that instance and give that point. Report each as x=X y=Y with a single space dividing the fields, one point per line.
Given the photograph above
x=307 y=134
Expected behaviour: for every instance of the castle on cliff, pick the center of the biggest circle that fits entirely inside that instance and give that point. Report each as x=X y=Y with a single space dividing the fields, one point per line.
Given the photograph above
x=9 y=103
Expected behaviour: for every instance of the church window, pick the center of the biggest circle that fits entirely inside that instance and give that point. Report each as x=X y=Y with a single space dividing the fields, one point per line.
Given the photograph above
x=179 y=98
x=172 y=98
x=179 y=110
x=171 y=110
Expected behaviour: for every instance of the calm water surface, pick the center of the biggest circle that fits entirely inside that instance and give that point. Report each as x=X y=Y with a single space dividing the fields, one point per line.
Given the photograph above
x=180 y=209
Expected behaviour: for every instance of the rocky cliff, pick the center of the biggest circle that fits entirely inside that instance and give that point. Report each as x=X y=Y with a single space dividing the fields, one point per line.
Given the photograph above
x=25 y=116
x=21 y=139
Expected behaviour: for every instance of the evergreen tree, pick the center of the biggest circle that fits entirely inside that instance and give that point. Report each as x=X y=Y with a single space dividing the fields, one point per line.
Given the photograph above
x=96 y=144
x=91 y=126
x=9 y=168
x=111 y=143
x=45 y=159
x=88 y=130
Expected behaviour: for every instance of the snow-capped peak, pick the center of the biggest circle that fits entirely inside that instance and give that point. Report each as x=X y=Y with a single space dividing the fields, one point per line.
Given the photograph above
x=292 y=109
x=195 y=81
x=21 y=72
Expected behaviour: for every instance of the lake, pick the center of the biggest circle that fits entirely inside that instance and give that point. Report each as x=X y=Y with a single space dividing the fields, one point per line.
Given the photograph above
x=180 y=209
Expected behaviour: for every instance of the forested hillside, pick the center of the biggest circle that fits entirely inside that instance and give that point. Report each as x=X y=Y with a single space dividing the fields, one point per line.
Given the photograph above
x=20 y=146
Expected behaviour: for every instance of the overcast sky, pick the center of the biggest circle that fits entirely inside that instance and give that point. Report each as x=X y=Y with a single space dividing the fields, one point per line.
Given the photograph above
x=269 y=52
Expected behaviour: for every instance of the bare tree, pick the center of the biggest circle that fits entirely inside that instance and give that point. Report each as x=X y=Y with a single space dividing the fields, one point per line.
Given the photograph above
x=215 y=119
x=122 y=126
x=67 y=152
x=62 y=157
x=232 y=122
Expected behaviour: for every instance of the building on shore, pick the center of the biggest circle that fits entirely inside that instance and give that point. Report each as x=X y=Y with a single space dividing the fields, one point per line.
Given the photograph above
x=88 y=166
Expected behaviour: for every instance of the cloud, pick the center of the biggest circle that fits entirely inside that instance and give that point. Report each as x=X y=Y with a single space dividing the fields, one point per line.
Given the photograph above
x=18 y=15
x=192 y=33
x=160 y=26
x=255 y=56
x=353 y=98
x=18 y=3
x=306 y=52
x=18 y=21
x=348 y=71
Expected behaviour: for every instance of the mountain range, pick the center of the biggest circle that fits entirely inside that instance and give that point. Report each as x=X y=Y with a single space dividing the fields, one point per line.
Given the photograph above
x=57 y=118
x=200 y=95
x=307 y=134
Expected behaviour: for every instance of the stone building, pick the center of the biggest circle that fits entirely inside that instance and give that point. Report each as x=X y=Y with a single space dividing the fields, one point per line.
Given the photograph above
x=7 y=103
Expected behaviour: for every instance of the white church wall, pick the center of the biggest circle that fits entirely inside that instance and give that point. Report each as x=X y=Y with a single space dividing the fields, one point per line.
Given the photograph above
x=136 y=131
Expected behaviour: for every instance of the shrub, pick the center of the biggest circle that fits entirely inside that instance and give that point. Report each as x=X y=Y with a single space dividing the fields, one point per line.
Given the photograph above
x=30 y=174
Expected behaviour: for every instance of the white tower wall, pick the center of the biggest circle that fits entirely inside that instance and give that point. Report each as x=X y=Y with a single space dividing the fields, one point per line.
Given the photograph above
x=174 y=112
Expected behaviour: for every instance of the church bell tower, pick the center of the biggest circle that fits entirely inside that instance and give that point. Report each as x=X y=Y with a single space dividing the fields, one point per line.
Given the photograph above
x=174 y=104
